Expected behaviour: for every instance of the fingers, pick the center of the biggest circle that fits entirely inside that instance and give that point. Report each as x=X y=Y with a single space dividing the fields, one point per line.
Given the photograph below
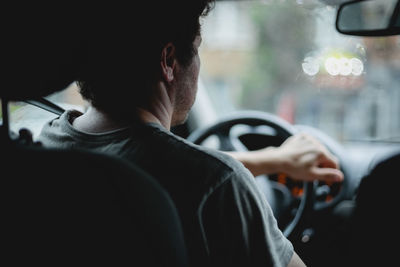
x=326 y=165
x=326 y=158
x=328 y=168
x=327 y=174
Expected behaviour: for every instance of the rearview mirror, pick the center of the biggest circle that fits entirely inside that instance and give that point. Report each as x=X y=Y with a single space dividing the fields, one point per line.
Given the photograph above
x=369 y=18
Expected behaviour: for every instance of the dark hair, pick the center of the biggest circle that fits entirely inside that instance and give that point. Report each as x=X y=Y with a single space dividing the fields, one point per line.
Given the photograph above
x=124 y=45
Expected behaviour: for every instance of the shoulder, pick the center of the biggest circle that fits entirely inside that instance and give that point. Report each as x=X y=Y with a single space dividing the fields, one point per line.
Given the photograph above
x=58 y=129
x=192 y=154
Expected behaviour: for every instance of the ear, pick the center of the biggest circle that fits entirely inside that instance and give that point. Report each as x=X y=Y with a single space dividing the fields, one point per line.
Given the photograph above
x=168 y=62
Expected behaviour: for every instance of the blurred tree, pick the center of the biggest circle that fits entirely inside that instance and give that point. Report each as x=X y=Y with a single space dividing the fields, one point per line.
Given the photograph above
x=283 y=39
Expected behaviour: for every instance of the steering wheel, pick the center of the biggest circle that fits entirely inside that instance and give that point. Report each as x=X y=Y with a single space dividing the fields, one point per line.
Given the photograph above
x=231 y=133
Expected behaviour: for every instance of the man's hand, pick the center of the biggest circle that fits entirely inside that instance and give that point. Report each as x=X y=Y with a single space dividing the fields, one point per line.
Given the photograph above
x=301 y=157
x=304 y=158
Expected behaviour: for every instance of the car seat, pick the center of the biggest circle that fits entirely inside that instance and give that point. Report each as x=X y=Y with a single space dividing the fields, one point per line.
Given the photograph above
x=374 y=228
x=71 y=207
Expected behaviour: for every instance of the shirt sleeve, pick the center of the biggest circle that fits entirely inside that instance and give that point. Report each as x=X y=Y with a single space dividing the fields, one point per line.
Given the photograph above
x=240 y=227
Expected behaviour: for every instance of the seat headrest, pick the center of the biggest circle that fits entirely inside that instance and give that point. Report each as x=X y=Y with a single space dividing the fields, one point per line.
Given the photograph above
x=41 y=50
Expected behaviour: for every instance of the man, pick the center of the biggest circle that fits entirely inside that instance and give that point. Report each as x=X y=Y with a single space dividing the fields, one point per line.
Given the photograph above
x=141 y=79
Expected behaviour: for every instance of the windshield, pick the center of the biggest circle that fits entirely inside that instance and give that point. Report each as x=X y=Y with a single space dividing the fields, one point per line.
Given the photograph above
x=286 y=57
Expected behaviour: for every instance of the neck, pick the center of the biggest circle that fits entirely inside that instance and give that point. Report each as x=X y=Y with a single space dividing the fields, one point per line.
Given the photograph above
x=147 y=116
x=97 y=121
x=159 y=110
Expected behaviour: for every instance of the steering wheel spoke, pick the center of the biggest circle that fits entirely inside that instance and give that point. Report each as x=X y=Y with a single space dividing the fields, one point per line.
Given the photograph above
x=225 y=142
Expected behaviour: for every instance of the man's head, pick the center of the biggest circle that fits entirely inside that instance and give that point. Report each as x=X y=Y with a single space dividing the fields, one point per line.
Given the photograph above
x=131 y=48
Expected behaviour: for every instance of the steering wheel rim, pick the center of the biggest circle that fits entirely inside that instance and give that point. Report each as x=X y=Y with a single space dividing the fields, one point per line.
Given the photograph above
x=258 y=118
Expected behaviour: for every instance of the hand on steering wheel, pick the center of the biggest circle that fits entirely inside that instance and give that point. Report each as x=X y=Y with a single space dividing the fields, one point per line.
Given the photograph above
x=302 y=157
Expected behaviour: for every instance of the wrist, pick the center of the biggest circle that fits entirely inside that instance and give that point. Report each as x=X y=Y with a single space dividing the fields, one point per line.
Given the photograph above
x=267 y=161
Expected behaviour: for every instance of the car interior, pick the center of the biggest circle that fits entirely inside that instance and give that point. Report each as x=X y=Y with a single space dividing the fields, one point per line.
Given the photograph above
x=330 y=69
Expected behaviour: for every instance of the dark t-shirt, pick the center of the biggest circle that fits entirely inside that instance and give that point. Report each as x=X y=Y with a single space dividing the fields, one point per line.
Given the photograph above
x=226 y=219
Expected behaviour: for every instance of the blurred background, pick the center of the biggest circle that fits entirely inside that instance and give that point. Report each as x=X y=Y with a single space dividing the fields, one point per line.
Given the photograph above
x=286 y=57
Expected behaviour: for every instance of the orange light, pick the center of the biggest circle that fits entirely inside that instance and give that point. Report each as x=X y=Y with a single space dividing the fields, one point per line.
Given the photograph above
x=300 y=192
x=282 y=178
x=297 y=191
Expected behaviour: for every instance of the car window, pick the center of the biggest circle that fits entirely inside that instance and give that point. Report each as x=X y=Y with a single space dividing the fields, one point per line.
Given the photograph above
x=286 y=57
x=24 y=115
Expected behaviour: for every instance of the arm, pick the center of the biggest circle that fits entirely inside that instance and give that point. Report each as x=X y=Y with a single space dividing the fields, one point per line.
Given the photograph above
x=296 y=261
x=301 y=157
